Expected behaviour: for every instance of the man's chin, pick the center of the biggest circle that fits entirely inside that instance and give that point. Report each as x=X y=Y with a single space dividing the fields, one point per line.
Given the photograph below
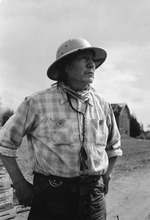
x=90 y=80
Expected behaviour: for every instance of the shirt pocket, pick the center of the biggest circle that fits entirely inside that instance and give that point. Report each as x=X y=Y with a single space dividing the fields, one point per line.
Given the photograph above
x=99 y=131
x=62 y=131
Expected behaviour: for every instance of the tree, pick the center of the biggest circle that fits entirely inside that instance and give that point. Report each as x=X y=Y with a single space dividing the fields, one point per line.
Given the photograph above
x=6 y=115
x=135 y=127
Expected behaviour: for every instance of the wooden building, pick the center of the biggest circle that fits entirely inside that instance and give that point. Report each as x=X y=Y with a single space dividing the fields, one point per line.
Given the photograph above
x=122 y=115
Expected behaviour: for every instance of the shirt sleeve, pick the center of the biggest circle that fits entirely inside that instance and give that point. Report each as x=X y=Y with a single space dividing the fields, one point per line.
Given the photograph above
x=21 y=123
x=113 y=147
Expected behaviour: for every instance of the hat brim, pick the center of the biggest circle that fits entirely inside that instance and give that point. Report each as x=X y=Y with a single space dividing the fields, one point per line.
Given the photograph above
x=100 y=57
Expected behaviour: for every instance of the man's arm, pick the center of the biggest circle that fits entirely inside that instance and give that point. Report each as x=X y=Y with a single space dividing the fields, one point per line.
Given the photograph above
x=107 y=175
x=113 y=145
x=24 y=189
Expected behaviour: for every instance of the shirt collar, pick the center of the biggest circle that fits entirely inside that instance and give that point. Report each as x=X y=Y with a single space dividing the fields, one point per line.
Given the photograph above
x=64 y=99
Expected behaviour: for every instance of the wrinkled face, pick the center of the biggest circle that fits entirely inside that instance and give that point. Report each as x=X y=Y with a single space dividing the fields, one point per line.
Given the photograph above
x=80 y=72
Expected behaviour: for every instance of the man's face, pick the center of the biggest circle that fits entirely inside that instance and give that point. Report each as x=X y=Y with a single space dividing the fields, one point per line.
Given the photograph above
x=80 y=72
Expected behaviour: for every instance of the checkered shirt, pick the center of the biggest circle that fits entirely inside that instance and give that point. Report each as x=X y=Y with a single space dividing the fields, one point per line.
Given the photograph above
x=54 y=132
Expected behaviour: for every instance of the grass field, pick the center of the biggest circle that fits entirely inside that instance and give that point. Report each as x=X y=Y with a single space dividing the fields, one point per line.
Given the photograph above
x=136 y=155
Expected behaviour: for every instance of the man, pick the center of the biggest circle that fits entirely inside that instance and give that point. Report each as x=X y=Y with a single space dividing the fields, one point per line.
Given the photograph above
x=73 y=140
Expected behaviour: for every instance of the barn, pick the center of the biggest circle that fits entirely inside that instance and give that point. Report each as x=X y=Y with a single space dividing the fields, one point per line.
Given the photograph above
x=122 y=115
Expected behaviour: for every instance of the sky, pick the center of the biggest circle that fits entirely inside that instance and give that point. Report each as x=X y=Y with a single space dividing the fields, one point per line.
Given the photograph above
x=32 y=30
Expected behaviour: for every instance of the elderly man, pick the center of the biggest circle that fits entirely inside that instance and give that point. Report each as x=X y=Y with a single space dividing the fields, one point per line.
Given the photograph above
x=73 y=140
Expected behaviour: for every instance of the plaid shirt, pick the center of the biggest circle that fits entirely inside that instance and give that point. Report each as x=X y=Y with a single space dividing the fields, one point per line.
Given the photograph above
x=55 y=131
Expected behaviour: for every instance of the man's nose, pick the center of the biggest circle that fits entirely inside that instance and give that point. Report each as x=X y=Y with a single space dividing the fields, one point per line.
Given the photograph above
x=91 y=63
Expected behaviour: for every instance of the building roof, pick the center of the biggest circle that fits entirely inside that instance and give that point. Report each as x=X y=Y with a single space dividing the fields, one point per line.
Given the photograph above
x=118 y=108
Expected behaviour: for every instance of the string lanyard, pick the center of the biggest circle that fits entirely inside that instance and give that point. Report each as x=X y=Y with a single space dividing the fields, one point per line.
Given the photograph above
x=82 y=154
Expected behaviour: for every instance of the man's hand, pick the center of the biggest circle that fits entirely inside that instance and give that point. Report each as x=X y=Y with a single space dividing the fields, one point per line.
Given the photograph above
x=106 y=180
x=107 y=175
x=24 y=192
x=24 y=189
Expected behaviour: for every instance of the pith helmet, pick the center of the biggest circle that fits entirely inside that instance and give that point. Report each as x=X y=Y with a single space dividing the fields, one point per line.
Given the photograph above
x=71 y=46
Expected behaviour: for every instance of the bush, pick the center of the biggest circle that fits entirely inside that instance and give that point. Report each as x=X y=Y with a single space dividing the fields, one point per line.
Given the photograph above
x=135 y=127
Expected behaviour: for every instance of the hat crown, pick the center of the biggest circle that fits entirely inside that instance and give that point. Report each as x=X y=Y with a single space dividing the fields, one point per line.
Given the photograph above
x=70 y=46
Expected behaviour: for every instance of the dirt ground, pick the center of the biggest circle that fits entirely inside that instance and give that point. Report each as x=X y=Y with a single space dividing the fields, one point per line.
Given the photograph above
x=129 y=191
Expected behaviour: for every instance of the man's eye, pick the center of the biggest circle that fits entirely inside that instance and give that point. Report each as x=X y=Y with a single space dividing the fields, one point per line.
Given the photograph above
x=86 y=58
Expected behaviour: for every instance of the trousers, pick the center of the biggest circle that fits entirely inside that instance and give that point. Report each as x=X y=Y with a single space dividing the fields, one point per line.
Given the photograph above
x=59 y=199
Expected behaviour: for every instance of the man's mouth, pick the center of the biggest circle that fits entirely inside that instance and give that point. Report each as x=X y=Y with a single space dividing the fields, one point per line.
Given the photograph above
x=89 y=73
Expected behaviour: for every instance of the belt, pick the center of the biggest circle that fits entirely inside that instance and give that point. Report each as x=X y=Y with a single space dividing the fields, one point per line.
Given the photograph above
x=79 y=179
x=80 y=184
